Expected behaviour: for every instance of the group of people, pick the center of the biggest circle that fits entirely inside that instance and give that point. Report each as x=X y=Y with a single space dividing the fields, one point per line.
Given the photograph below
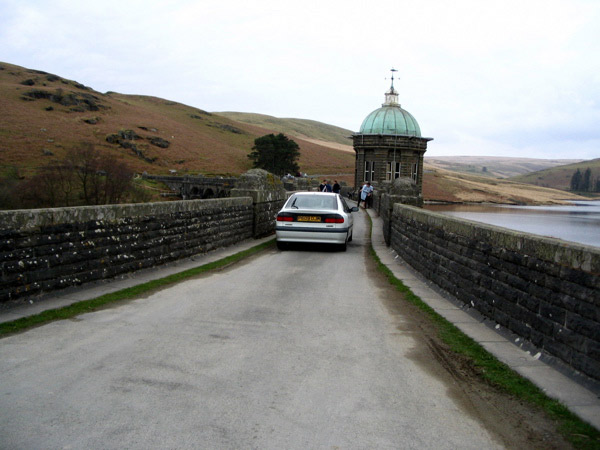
x=326 y=186
x=365 y=193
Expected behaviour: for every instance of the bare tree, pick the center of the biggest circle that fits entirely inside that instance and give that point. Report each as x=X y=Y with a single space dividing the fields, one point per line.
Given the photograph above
x=84 y=163
x=9 y=183
x=52 y=186
x=103 y=178
x=86 y=176
x=117 y=179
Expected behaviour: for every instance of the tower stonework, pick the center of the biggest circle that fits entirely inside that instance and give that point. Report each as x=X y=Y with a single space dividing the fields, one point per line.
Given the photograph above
x=389 y=145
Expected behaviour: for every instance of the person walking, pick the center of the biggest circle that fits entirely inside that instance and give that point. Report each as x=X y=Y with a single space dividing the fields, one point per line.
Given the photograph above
x=366 y=193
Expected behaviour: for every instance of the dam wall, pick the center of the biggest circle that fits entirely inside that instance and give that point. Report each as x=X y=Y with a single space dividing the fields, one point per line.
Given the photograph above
x=545 y=290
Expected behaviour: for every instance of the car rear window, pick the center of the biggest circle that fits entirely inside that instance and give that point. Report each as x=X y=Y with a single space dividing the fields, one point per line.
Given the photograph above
x=313 y=202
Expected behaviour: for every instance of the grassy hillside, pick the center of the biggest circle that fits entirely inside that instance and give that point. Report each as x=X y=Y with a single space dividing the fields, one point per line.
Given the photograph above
x=447 y=186
x=559 y=177
x=300 y=128
x=44 y=115
x=494 y=166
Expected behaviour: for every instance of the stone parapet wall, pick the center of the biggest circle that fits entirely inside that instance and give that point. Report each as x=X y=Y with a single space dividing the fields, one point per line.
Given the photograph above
x=545 y=290
x=268 y=196
x=387 y=194
x=44 y=250
x=266 y=205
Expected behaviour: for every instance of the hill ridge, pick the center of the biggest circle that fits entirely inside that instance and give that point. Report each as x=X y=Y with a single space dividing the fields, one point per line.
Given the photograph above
x=301 y=128
x=45 y=115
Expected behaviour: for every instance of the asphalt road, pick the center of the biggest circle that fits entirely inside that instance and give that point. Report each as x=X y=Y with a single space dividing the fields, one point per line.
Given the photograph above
x=292 y=349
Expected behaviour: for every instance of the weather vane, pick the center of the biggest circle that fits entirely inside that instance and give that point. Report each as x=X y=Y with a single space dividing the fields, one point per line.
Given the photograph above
x=393 y=70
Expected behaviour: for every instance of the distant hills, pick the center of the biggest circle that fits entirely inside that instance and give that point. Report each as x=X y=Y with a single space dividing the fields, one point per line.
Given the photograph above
x=440 y=185
x=502 y=179
x=44 y=115
x=495 y=166
x=311 y=130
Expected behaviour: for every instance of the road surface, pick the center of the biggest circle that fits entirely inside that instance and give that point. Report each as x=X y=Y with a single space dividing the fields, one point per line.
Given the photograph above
x=295 y=349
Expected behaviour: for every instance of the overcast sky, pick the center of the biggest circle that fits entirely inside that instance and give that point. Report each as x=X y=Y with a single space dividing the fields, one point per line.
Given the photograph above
x=494 y=78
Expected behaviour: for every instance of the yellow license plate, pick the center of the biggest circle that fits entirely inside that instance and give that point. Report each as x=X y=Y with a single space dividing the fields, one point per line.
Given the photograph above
x=309 y=218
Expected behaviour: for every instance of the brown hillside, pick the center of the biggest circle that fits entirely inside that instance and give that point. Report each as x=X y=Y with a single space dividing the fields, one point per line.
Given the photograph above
x=44 y=115
x=445 y=186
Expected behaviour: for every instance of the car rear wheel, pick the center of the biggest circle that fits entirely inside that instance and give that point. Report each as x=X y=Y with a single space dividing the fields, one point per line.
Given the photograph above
x=282 y=245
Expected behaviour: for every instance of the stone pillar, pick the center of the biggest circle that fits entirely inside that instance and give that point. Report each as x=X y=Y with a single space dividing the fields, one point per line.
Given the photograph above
x=268 y=196
x=402 y=190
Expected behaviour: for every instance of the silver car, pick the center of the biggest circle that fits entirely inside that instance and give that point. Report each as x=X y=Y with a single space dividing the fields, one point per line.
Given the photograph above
x=315 y=217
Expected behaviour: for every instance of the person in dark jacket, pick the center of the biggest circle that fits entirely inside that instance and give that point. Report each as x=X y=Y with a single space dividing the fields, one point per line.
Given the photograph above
x=336 y=187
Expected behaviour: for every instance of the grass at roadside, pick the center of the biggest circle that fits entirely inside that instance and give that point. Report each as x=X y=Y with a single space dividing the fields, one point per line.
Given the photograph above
x=581 y=434
x=86 y=306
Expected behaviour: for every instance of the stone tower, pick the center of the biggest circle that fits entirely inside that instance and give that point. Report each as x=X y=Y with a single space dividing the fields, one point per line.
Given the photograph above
x=389 y=145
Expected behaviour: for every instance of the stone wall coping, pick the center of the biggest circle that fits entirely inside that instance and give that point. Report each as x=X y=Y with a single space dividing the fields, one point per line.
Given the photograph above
x=259 y=196
x=570 y=254
x=32 y=219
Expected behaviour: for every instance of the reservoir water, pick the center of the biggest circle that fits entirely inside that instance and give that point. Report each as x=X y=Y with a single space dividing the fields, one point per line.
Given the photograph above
x=578 y=222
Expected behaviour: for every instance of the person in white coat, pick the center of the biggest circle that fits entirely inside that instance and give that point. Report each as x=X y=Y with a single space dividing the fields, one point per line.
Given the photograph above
x=366 y=193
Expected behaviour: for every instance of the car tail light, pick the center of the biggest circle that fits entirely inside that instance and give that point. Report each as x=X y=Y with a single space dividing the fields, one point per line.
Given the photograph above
x=334 y=218
x=283 y=217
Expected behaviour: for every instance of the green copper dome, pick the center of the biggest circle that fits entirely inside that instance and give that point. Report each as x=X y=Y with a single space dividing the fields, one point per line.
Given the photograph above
x=390 y=119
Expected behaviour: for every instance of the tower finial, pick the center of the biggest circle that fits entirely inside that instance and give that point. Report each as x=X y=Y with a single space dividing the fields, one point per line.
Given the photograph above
x=391 y=96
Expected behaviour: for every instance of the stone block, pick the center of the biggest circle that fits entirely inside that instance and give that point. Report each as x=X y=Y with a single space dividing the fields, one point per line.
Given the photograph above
x=536 y=338
x=587 y=310
x=501 y=317
x=559 y=349
x=587 y=365
x=538 y=291
x=570 y=338
x=592 y=349
x=513 y=281
x=528 y=302
x=520 y=328
x=583 y=326
x=552 y=312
